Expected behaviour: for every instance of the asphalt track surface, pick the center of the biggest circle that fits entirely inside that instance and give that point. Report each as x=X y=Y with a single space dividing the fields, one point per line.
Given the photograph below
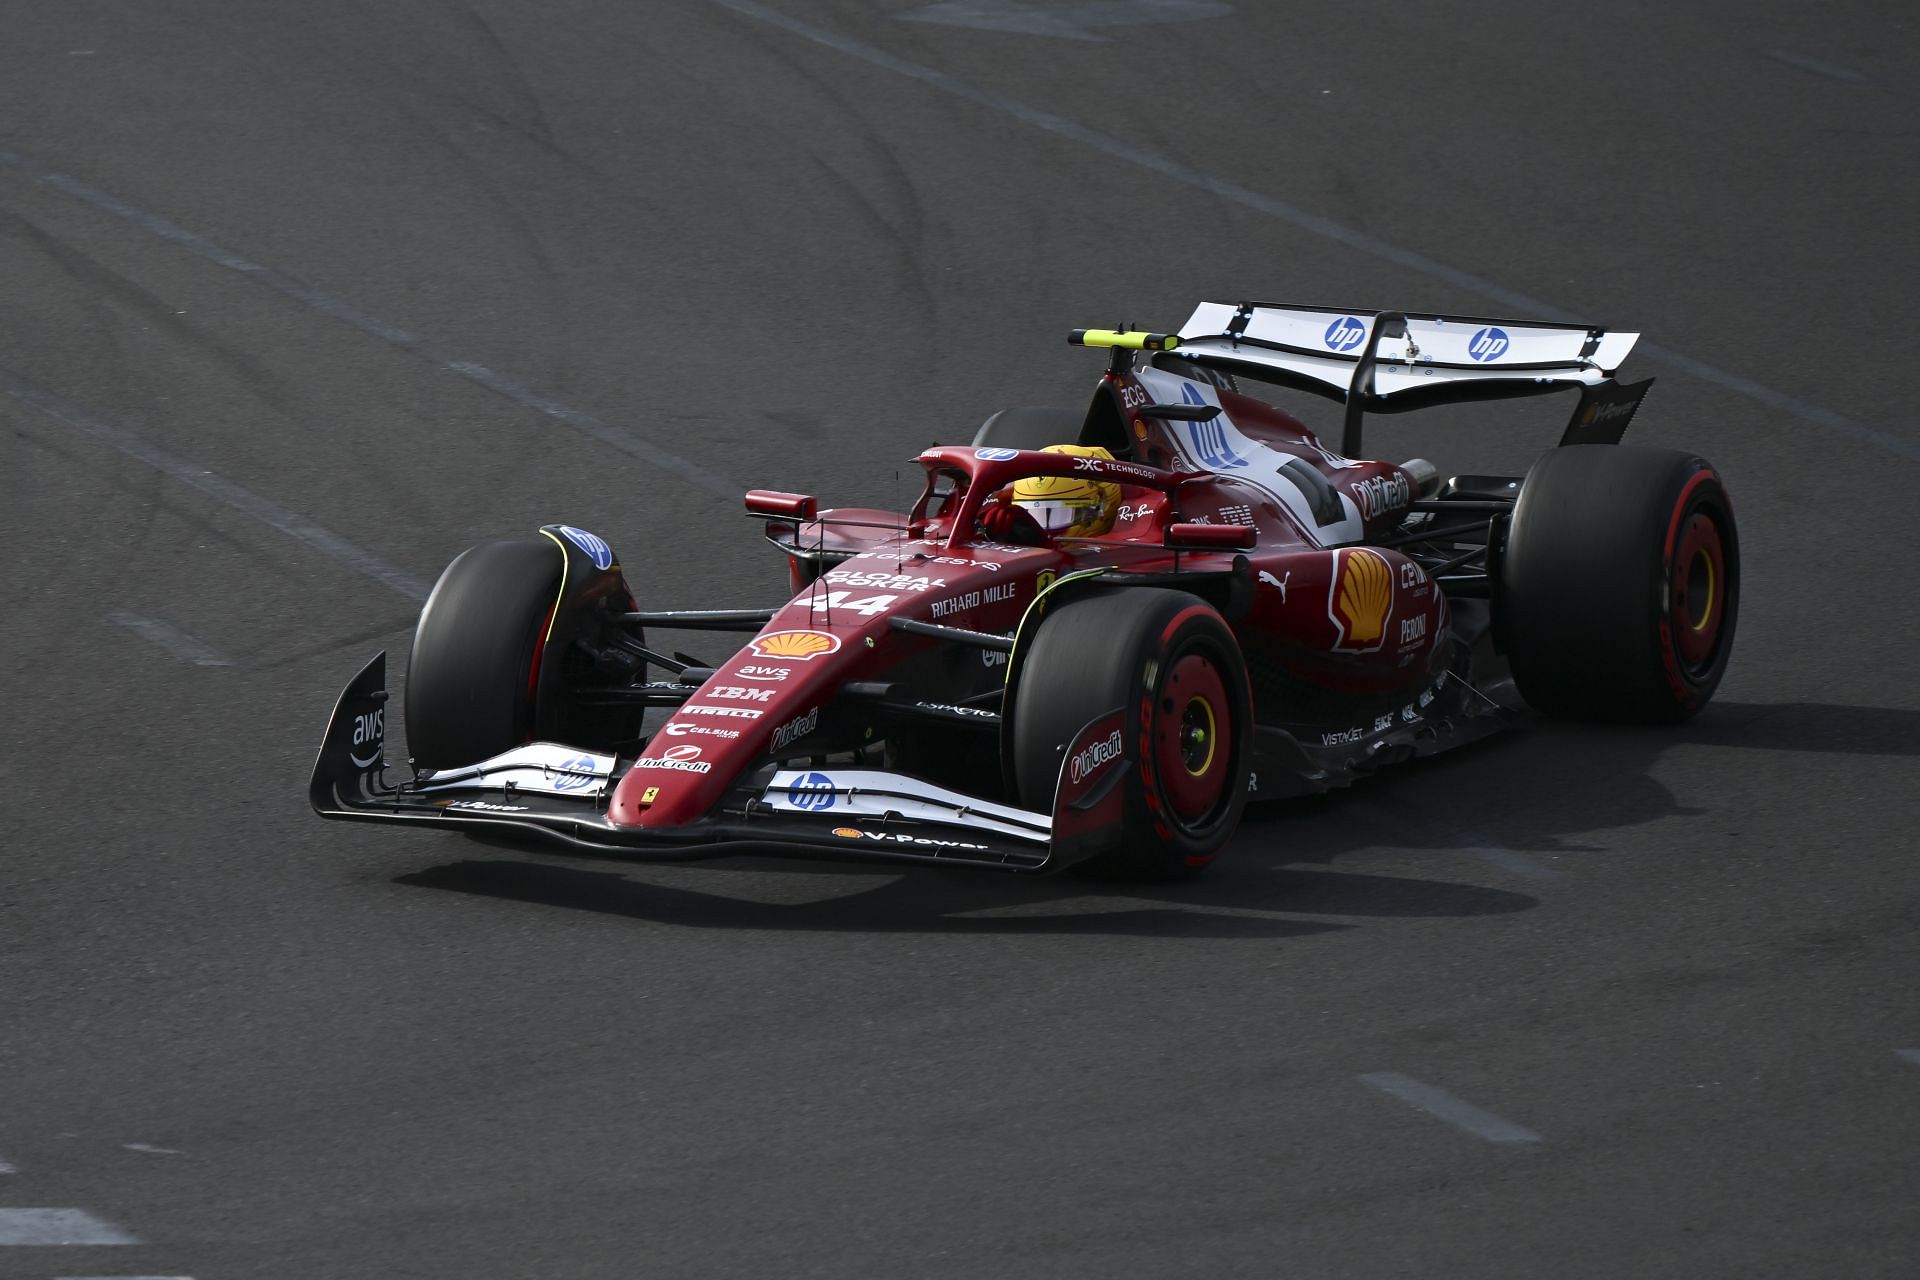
x=297 y=301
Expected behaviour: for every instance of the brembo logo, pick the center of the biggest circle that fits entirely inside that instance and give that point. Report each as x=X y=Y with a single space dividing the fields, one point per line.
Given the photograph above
x=1094 y=758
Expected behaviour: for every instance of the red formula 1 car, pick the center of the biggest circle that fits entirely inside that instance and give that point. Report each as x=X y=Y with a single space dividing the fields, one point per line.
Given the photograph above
x=1234 y=611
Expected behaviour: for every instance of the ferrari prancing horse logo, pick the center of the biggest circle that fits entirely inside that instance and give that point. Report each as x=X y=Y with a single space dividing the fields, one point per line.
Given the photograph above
x=1360 y=599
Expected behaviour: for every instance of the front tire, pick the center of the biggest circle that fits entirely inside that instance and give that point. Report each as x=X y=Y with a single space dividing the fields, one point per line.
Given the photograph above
x=1171 y=661
x=472 y=674
x=1620 y=584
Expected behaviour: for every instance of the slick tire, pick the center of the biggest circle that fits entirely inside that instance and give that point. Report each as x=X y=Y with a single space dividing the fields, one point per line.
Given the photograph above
x=1029 y=428
x=1619 y=584
x=1171 y=661
x=471 y=673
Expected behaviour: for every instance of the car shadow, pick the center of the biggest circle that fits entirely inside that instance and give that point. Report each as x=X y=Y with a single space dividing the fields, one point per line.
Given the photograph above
x=1240 y=901
x=1551 y=788
x=1822 y=727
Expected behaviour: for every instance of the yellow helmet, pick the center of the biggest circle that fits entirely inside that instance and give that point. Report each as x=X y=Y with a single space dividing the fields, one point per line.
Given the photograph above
x=1070 y=506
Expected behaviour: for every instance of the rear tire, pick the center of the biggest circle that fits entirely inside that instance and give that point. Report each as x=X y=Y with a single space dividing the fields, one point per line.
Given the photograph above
x=1620 y=584
x=1029 y=428
x=471 y=675
x=1171 y=661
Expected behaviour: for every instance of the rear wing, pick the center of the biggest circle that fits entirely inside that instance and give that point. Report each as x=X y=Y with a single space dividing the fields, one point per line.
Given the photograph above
x=1393 y=361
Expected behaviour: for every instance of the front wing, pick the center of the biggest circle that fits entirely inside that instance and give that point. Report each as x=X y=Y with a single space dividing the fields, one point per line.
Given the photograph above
x=559 y=793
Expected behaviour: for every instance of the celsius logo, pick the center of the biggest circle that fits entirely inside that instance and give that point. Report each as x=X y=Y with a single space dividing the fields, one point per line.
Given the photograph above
x=1345 y=333
x=1488 y=344
x=1088 y=762
x=814 y=791
x=996 y=455
x=595 y=546
x=576 y=774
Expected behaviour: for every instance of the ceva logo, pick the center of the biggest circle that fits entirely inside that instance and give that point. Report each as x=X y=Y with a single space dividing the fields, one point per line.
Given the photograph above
x=1488 y=344
x=1346 y=333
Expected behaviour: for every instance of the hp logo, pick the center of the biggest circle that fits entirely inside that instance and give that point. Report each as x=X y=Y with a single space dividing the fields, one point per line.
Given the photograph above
x=996 y=455
x=571 y=781
x=593 y=544
x=1210 y=446
x=815 y=791
x=1488 y=344
x=1345 y=334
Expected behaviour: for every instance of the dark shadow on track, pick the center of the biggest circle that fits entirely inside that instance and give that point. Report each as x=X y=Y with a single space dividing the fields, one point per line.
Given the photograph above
x=1552 y=787
x=935 y=902
x=1809 y=726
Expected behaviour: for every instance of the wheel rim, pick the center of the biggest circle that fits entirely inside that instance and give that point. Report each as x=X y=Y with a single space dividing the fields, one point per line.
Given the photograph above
x=1192 y=733
x=1698 y=598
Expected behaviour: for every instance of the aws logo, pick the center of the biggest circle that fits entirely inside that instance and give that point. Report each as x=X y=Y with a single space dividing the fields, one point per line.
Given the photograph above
x=369 y=736
x=1360 y=599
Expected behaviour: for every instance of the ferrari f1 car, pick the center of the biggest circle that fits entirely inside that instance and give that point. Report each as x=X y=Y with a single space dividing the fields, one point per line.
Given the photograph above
x=1252 y=615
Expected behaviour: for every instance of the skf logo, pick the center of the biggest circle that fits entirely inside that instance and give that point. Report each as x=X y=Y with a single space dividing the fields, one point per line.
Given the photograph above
x=1488 y=344
x=794 y=646
x=1345 y=333
x=1360 y=598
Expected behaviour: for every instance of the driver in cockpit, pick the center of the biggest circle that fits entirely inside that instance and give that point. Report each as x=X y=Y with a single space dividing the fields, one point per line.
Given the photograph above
x=1038 y=509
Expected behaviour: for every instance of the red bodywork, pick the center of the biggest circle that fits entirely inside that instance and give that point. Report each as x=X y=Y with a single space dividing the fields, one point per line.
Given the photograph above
x=1361 y=621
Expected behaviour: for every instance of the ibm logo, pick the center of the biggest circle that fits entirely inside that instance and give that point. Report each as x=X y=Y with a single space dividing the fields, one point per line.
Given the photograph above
x=1345 y=333
x=1488 y=344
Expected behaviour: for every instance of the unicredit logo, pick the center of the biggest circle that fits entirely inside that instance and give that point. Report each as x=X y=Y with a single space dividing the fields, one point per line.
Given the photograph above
x=1094 y=757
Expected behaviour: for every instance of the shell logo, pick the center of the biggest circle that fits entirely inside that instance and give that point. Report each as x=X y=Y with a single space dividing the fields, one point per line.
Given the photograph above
x=794 y=646
x=848 y=833
x=1360 y=599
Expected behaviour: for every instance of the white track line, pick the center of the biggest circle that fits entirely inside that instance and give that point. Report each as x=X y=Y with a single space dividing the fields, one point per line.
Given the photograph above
x=5 y=1167
x=1830 y=70
x=56 y=1227
x=169 y=637
x=412 y=343
x=1455 y=1111
x=1360 y=241
x=189 y=472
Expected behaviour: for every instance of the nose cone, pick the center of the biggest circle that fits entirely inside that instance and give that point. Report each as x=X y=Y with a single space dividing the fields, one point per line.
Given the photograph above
x=771 y=697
